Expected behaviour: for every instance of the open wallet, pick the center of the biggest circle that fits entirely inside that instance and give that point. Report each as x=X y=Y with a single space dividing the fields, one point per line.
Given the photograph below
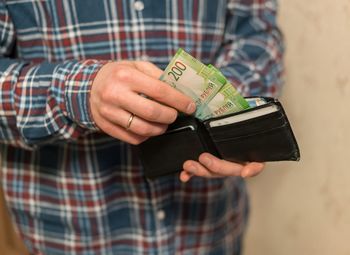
x=260 y=134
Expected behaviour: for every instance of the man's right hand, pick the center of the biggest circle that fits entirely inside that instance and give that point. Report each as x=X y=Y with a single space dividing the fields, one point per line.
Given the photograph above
x=119 y=90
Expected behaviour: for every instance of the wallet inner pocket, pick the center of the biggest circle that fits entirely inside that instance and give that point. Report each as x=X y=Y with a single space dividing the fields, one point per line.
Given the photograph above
x=269 y=145
x=262 y=123
x=234 y=136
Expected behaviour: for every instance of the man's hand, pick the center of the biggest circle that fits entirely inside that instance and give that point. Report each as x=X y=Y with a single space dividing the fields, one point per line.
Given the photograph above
x=126 y=88
x=212 y=167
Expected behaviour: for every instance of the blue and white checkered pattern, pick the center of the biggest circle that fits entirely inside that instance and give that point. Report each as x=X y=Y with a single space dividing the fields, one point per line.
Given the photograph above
x=74 y=190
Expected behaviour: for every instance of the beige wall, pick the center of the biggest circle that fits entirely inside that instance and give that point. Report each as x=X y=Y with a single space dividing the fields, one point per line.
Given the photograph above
x=304 y=208
x=9 y=241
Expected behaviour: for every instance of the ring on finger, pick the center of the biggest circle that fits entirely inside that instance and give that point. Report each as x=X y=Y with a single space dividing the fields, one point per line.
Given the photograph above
x=131 y=118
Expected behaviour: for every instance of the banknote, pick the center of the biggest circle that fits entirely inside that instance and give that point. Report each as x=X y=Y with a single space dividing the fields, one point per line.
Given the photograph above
x=205 y=84
x=214 y=69
x=193 y=78
x=227 y=100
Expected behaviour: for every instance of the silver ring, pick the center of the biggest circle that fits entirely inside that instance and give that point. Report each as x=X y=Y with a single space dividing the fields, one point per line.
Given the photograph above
x=129 y=121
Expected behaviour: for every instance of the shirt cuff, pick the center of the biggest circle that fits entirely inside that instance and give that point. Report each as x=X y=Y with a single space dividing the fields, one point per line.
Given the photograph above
x=78 y=83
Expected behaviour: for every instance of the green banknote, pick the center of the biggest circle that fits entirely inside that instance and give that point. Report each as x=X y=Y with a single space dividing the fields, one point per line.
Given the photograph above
x=206 y=85
x=193 y=78
x=226 y=101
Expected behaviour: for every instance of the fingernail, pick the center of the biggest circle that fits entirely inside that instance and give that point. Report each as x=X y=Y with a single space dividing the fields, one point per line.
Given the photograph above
x=191 y=108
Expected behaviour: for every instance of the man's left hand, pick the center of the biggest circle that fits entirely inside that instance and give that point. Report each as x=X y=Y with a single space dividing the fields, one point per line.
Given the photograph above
x=210 y=166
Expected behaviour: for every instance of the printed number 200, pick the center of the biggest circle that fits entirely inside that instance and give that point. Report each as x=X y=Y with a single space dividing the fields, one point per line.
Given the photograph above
x=177 y=70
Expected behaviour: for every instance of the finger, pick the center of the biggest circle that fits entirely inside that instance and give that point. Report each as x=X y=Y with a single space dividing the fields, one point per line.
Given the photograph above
x=252 y=169
x=146 y=108
x=195 y=168
x=146 y=128
x=185 y=176
x=137 y=126
x=160 y=91
x=220 y=166
x=120 y=132
x=148 y=68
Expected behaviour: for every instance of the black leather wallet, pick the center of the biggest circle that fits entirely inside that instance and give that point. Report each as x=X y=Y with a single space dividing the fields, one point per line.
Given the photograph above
x=259 y=134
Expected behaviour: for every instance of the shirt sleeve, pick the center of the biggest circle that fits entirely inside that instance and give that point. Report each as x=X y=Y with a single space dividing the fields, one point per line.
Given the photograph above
x=42 y=102
x=252 y=49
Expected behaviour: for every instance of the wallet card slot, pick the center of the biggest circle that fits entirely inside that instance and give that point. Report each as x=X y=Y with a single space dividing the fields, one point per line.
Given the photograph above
x=264 y=121
x=250 y=126
x=252 y=114
x=260 y=110
x=275 y=115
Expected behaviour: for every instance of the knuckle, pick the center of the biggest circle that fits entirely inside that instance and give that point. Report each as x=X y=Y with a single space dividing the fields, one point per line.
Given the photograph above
x=150 y=130
x=154 y=131
x=149 y=65
x=119 y=98
x=105 y=96
x=201 y=172
x=146 y=131
x=108 y=95
x=173 y=116
x=135 y=141
x=216 y=167
x=163 y=129
x=144 y=63
x=188 y=165
x=169 y=115
x=151 y=113
x=159 y=91
x=122 y=74
x=104 y=110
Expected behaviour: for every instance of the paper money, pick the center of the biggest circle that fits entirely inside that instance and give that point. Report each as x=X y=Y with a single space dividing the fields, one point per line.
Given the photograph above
x=206 y=85
x=193 y=78
x=226 y=101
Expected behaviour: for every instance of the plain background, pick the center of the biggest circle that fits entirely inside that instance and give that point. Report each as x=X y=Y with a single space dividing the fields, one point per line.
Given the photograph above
x=302 y=208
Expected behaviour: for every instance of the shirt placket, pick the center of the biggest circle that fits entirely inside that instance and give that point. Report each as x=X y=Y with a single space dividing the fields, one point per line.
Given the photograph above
x=160 y=231
x=138 y=8
x=158 y=214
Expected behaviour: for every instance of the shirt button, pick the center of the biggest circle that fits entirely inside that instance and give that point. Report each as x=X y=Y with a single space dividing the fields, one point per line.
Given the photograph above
x=160 y=215
x=139 y=5
x=256 y=76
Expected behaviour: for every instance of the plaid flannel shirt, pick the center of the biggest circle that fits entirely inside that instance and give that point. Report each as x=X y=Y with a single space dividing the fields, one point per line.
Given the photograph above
x=74 y=190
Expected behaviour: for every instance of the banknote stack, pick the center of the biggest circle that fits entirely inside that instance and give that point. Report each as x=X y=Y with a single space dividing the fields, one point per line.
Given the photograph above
x=206 y=85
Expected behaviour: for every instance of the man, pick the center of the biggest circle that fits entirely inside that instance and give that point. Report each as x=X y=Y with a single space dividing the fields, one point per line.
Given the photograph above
x=73 y=75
